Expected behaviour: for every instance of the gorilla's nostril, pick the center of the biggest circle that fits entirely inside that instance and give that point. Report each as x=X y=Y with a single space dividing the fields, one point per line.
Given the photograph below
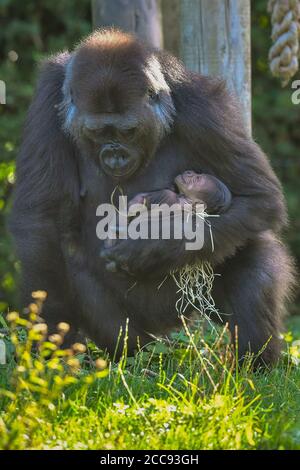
x=115 y=146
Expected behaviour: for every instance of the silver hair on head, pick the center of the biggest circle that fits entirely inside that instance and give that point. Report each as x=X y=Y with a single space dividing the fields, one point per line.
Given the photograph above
x=67 y=108
x=163 y=107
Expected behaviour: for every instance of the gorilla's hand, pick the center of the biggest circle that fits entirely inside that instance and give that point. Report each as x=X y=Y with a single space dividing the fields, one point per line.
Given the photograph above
x=140 y=257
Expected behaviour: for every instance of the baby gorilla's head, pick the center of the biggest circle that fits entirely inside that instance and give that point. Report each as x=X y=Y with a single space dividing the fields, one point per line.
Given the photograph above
x=205 y=189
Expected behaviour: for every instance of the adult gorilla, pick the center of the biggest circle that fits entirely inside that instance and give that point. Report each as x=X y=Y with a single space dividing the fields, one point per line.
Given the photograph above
x=118 y=112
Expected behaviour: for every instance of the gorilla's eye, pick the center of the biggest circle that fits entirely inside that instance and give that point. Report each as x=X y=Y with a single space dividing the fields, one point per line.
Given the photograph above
x=131 y=132
x=153 y=95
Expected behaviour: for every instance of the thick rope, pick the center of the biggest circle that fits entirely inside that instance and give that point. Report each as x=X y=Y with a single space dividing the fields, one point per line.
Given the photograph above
x=283 y=55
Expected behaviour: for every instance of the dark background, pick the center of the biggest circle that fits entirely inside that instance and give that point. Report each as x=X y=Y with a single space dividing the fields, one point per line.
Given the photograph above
x=31 y=29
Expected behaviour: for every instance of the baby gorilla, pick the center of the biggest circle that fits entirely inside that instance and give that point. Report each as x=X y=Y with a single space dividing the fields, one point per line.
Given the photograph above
x=192 y=188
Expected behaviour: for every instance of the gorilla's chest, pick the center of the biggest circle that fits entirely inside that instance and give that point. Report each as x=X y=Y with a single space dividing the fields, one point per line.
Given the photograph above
x=171 y=159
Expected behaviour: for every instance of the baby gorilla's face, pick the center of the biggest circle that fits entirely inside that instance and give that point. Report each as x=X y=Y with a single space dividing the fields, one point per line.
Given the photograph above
x=195 y=186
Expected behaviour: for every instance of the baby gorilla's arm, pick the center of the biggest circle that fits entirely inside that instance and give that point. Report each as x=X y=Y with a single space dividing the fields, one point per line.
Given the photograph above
x=215 y=195
x=162 y=196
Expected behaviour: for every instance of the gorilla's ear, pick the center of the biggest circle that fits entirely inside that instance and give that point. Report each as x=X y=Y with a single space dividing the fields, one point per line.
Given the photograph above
x=46 y=165
x=160 y=93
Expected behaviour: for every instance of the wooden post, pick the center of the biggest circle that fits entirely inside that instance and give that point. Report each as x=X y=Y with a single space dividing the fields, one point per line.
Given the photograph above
x=215 y=40
x=171 y=25
x=2 y=92
x=142 y=17
x=2 y=352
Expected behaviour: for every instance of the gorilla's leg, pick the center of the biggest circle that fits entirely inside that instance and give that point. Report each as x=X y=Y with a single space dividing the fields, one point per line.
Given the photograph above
x=103 y=318
x=43 y=269
x=257 y=284
x=58 y=306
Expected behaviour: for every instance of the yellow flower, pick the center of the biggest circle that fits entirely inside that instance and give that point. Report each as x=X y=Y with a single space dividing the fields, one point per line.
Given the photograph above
x=39 y=295
x=12 y=316
x=33 y=308
x=79 y=347
x=73 y=363
x=40 y=328
x=63 y=327
x=69 y=352
x=101 y=364
x=56 y=339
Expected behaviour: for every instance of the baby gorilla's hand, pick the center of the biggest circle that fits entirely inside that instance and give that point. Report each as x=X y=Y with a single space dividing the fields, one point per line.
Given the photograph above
x=163 y=196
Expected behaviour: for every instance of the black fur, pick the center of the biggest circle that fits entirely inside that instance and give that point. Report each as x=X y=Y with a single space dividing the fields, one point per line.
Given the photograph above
x=60 y=183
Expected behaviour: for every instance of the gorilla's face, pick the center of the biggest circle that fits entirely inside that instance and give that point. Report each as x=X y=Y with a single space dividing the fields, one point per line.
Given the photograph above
x=117 y=105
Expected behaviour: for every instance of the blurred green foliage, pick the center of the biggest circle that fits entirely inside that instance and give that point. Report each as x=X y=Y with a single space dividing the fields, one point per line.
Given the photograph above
x=31 y=29
x=276 y=121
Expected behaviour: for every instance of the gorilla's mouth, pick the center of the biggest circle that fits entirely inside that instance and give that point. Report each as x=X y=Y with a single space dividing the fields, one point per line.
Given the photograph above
x=117 y=160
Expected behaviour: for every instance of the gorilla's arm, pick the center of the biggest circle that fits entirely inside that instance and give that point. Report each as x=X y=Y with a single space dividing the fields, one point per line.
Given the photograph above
x=46 y=177
x=209 y=120
x=46 y=164
x=192 y=189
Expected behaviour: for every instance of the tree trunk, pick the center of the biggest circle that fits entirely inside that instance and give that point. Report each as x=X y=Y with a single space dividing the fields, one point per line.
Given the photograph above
x=142 y=17
x=215 y=40
x=171 y=25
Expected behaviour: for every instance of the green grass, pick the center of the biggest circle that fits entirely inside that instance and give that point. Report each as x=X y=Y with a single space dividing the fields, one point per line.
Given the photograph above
x=180 y=393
